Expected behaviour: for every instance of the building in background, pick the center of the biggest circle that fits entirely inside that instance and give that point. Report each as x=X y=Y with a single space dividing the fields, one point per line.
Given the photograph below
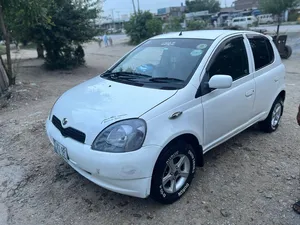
x=201 y=15
x=246 y=4
x=113 y=25
x=166 y=14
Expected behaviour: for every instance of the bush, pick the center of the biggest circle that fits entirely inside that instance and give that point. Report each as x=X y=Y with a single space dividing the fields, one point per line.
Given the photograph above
x=142 y=26
x=72 y=25
x=293 y=16
x=196 y=25
x=173 y=26
x=67 y=57
x=2 y=50
x=154 y=27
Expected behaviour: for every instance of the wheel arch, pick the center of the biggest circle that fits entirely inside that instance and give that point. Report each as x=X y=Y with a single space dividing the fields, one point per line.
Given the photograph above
x=281 y=95
x=191 y=139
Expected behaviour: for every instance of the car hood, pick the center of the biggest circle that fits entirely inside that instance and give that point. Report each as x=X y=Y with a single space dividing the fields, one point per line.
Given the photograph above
x=95 y=104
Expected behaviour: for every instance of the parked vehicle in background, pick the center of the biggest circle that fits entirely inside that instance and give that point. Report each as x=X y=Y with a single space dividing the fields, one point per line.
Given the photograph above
x=244 y=22
x=143 y=126
x=265 y=19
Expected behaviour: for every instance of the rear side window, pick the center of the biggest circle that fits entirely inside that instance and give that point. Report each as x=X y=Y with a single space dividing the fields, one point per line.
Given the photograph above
x=262 y=51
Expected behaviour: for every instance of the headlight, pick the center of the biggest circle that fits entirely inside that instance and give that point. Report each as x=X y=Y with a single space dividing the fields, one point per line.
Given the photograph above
x=123 y=136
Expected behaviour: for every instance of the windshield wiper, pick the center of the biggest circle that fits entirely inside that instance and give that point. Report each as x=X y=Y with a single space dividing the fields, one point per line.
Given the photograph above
x=165 y=80
x=124 y=75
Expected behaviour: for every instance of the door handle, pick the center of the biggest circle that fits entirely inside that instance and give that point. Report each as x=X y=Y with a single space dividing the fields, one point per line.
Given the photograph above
x=249 y=93
x=276 y=79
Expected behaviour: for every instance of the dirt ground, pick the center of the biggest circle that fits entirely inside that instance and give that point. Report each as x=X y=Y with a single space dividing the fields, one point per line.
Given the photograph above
x=251 y=179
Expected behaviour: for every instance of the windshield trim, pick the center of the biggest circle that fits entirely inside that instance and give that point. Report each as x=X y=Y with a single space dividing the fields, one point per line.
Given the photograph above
x=183 y=85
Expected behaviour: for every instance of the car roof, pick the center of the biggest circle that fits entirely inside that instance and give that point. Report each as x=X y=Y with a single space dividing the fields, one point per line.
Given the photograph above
x=203 y=34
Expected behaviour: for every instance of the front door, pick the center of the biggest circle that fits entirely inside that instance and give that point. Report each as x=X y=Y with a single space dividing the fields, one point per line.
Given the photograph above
x=227 y=111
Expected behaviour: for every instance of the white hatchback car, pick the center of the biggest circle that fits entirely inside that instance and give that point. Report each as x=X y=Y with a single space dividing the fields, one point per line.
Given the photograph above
x=142 y=127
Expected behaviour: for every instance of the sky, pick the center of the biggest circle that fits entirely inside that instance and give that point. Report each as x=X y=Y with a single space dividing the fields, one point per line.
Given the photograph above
x=121 y=7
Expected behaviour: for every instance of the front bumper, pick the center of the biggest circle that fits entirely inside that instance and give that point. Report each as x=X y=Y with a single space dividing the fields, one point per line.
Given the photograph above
x=125 y=173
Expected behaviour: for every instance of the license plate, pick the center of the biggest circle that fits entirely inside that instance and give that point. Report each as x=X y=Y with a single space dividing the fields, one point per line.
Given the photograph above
x=61 y=150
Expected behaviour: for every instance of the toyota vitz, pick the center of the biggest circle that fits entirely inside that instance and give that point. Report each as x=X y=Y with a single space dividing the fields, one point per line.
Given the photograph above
x=141 y=128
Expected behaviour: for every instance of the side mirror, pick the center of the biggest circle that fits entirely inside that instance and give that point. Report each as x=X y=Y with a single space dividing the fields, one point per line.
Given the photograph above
x=220 y=82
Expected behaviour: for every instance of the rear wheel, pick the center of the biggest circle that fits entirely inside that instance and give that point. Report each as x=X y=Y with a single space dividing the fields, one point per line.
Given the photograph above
x=272 y=122
x=287 y=52
x=173 y=172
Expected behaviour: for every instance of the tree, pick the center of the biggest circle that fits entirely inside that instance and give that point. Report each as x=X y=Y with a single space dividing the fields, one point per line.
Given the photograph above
x=142 y=26
x=174 y=25
x=61 y=25
x=277 y=7
x=16 y=16
x=72 y=24
x=154 y=27
x=196 y=25
x=4 y=82
x=212 y=6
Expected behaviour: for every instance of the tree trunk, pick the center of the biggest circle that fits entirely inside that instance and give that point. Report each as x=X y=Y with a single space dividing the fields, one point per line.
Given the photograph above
x=40 y=51
x=4 y=83
x=11 y=77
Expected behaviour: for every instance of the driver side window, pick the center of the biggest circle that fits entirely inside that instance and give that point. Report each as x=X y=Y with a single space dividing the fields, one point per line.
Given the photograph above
x=231 y=60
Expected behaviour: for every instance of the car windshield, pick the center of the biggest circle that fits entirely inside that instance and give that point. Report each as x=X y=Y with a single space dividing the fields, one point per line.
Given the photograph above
x=161 y=63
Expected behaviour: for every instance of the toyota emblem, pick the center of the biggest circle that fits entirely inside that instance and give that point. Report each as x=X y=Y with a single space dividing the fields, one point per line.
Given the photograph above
x=64 y=122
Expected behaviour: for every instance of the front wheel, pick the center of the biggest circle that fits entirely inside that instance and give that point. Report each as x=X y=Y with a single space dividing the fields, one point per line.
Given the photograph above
x=173 y=172
x=272 y=122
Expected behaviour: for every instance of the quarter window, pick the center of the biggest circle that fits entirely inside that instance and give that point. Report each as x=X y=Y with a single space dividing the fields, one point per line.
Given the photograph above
x=231 y=60
x=262 y=51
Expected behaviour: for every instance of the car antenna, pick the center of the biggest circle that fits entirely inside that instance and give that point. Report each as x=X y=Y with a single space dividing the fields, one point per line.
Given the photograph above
x=180 y=34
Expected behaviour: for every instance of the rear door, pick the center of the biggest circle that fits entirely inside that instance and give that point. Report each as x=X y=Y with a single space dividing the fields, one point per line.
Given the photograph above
x=267 y=75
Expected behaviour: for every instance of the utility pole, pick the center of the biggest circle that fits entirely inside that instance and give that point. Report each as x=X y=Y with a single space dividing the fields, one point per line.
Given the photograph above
x=113 y=18
x=133 y=4
x=138 y=2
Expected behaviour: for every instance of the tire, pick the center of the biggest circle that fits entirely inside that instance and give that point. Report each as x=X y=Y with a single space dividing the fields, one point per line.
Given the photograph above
x=272 y=122
x=176 y=152
x=287 y=52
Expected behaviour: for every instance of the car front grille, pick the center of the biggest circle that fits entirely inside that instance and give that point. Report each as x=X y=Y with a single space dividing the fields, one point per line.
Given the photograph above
x=69 y=131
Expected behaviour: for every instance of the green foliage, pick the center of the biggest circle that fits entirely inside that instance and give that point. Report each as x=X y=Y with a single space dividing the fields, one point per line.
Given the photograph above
x=154 y=27
x=201 y=5
x=2 y=49
x=276 y=7
x=293 y=16
x=71 y=25
x=22 y=15
x=142 y=26
x=173 y=26
x=67 y=57
x=61 y=26
x=196 y=25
